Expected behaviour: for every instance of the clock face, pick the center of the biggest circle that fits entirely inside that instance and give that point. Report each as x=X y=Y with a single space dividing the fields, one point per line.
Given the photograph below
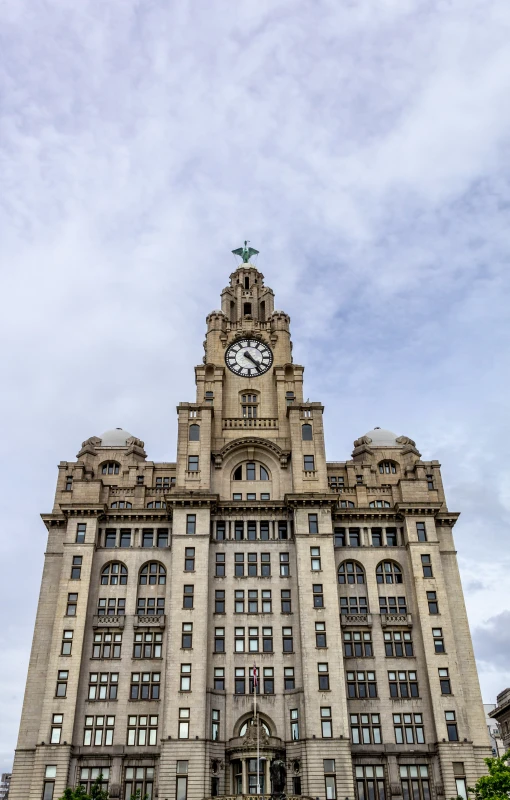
x=249 y=358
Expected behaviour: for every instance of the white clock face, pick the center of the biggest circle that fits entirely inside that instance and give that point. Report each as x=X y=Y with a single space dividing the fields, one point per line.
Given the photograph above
x=249 y=358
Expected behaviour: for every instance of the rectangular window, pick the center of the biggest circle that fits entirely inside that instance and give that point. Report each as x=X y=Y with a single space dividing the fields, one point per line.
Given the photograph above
x=437 y=635
x=421 y=531
x=139 y=480
x=67 y=643
x=323 y=674
x=432 y=602
x=315 y=559
x=358 y=644
x=284 y=565
x=57 y=721
x=187 y=599
x=282 y=529
x=408 y=729
x=239 y=601
x=268 y=680
x=103 y=685
x=142 y=730
x=62 y=678
x=220 y=565
x=162 y=537
x=139 y=782
x=110 y=538
x=339 y=537
x=76 y=568
x=286 y=601
x=353 y=605
x=220 y=531
x=191 y=523
x=184 y=723
x=403 y=684
x=267 y=640
x=151 y=606
x=460 y=779
x=219 y=601
x=391 y=537
x=354 y=537
x=326 y=723
x=237 y=496
x=287 y=640
x=98 y=731
x=185 y=684
x=252 y=565
x=430 y=483
x=148 y=645
x=240 y=681
x=49 y=785
x=320 y=634
x=392 y=605
x=72 y=601
x=398 y=644
x=370 y=783
x=253 y=601
x=189 y=559
x=415 y=783
x=111 y=606
x=265 y=565
x=294 y=724
x=330 y=785
x=318 y=596
x=427 y=566
x=219 y=679
x=239 y=640
x=264 y=526
x=81 y=530
x=239 y=530
x=444 y=681
x=148 y=537
x=193 y=463
x=265 y=496
x=125 y=538
x=215 y=724
x=309 y=463
x=253 y=640
x=252 y=496
x=361 y=685
x=219 y=640
x=366 y=729
x=377 y=537
x=289 y=681
x=266 y=601
x=187 y=636
x=239 y=565
x=251 y=528
x=313 y=523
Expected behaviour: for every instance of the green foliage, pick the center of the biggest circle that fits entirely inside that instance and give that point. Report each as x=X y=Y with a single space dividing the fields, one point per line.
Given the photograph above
x=495 y=785
x=79 y=793
x=138 y=796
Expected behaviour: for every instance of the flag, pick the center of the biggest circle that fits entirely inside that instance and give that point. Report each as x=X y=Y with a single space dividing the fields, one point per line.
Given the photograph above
x=255 y=677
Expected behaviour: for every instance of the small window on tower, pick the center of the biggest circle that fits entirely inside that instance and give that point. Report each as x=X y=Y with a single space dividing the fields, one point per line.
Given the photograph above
x=249 y=404
x=306 y=431
x=246 y=309
x=209 y=396
x=246 y=283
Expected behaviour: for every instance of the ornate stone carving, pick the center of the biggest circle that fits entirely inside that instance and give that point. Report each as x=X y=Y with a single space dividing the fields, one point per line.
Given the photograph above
x=250 y=737
x=362 y=440
x=405 y=440
x=395 y=789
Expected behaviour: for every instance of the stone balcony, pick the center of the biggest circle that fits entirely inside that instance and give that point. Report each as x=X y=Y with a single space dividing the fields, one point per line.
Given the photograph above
x=250 y=422
x=353 y=620
x=404 y=620
x=108 y=621
x=149 y=620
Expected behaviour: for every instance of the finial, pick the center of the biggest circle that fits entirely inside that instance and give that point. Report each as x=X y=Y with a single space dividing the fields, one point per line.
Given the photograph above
x=245 y=252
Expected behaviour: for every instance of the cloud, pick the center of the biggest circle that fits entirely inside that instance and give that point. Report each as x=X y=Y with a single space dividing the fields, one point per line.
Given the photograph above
x=492 y=641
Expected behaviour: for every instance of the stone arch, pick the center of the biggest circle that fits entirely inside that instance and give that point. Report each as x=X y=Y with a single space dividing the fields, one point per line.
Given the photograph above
x=266 y=721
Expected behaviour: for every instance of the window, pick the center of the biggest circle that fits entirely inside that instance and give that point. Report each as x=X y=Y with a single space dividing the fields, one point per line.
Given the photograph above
x=309 y=463
x=403 y=684
x=189 y=559
x=266 y=601
x=437 y=635
x=287 y=640
x=392 y=605
x=353 y=605
x=125 y=538
x=252 y=565
x=219 y=679
x=72 y=601
x=264 y=526
x=187 y=636
x=253 y=680
x=239 y=601
x=219 y=601
x=387 y=468
x=139 y=480
x=318 y=596
x=209 y=397
x=268 y=680
x=240 y=682
x=430 y=483
x=239 y=640
x=147 y=537
x=114 y=574
x=49 y=785
x=433 y=604
x=150 y=606
x=191 y=523
x=220 y=531
x=388 y=572
x=253 y=601
x=361 y=684
x=320 y=634
x=421 y=532
x=251 y=526
x=408 y=729
x=98 y=731
x=121 y=504
x=339 y=537
x=194 y=433
x=139 y=779
x=267 y=640
x=106 y=645
x=81 y=530
x=57 y=721
x=156 y=504
x=376 y=537
x=148 y=645
x=76 y=568
x=391 y=537
x=215 y=724
x=351 y=572
x=181 y=780
x=398 y=644
x=306 y=432
x=366 y=729
x=239 y=565
x=67 y=643
x=315 y=559
x=264 y=496
x=286 y=601
x=323 y=674
x=185 y=684
x=294 y=724
x=326 y=723
x=187 y=600
x=289 y=397
x=370 y=783
x=249 y=408
x=184 y=723
x=354 y=537
x=444 y=681
x=219 y=640
x=359 y=479
x=253 y=640
x=346 y=504
x=284 y=565
x=313 y=523
x=460 y=779
x=162 y=537
x=415 y=783
x=358 y=644
x=220 y=565
x=265 y=565
x=239 y=531
x=289 y=681
x=427 y=566
x=379 y=504
x=251 y=471
x=62 y=677
x=193 y=463
x=142 y=730
x=336 y=482
x=110 y=468
x=89 y=776
x=163 y=483
x=103 y=685
x=153 y=574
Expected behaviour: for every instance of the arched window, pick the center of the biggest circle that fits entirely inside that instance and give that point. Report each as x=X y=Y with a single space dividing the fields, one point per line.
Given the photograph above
x=110 y=468
x=153 y=574
x=306 y=433
x=389 y=572
x=346 y=504
x=387 y=468
x=379 y=504
x=194 y=433
x=251 y=471
x=157 y=504
x=121 y=504
x=351 y=572
x=114 y=574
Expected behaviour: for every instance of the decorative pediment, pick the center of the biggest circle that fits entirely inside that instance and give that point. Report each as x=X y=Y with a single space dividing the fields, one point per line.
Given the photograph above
x=251 y=441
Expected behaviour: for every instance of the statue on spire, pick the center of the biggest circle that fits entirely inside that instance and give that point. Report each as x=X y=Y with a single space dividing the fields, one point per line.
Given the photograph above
x=245 y=252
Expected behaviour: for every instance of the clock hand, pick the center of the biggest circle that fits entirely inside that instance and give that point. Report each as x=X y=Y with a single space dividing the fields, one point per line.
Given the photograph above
x=249 y=356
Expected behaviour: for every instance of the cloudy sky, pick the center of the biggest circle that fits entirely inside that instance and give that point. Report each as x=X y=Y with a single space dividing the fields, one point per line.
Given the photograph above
x=362 y=147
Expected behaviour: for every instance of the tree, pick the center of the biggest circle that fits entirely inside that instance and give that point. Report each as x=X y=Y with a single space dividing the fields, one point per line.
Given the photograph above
x=495 y=785
x=79 y=793
x=138 y=795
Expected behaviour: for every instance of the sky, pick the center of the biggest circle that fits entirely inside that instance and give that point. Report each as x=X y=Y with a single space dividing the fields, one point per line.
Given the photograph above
x=362 y=147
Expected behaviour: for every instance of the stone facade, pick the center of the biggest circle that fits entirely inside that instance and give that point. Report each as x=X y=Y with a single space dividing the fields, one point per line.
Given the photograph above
x=165 y=584
x=501 y=714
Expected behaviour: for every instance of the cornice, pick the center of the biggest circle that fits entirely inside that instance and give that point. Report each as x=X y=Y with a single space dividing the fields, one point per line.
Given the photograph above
x=255 y=506
x=311 y=499
x=419 y=509
x=191 y=499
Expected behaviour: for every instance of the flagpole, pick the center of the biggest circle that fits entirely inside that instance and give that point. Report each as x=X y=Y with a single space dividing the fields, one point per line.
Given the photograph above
x=255 y=684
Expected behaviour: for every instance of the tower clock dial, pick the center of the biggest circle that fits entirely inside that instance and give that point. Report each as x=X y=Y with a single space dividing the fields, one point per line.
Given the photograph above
x=249 y=358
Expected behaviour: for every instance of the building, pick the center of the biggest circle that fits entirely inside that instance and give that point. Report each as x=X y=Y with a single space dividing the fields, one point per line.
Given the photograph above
x=495 y=739
x=501 y=714
x=5 y=782
x=166 y=584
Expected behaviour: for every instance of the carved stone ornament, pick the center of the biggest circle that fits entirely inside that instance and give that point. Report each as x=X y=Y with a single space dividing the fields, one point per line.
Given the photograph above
x=395 y=789
x=250 y=737
x=136 y=442
x=362 y=440
x=216 y=765
x=92 y=440
x=440 y=789
x=114 y=790
x=406 y=440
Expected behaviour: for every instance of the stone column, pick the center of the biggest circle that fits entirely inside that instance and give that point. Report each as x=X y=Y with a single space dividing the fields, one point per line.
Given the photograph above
x=245 y=776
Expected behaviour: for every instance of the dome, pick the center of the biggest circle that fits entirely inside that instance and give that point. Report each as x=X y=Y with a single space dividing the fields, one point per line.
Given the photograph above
x=382 y=438
x=117 y=437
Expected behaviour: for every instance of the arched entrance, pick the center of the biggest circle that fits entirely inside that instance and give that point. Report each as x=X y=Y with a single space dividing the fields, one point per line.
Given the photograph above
x=250 y=754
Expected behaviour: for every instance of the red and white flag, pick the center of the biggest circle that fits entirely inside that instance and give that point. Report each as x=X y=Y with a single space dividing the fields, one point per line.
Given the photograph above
x=255 y=677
